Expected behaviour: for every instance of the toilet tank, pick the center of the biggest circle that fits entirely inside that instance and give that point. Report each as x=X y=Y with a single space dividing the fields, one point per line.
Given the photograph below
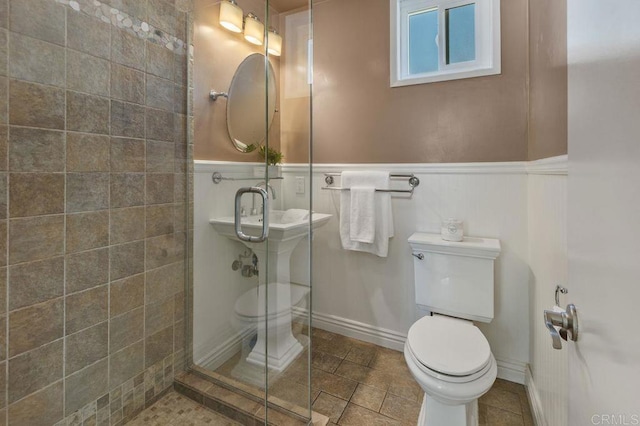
x=455 y=278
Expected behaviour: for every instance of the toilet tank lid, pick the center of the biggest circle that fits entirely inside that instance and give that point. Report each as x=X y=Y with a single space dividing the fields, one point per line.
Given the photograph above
x=470 y=246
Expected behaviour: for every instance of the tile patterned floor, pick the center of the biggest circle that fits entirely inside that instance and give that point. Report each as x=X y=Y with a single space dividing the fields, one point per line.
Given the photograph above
x=176 y=410
x=356 y=383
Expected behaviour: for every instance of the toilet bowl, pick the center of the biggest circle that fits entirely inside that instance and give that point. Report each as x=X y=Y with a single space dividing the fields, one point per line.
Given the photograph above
x=446 y=353
x=452 y=362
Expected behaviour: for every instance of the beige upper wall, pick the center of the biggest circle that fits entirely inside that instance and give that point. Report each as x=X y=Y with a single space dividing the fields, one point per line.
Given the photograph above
x=359 y=118
x=548 y=78
x=217 y=54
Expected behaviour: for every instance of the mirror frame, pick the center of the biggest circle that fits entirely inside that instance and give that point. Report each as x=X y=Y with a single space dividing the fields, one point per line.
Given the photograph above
x=271 y=114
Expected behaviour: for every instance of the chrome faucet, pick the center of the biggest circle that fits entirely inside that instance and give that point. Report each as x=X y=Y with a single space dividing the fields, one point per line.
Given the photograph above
x=267 y=187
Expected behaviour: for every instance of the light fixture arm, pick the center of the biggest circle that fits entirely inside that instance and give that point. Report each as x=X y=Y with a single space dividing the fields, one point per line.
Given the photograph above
x=214 y=95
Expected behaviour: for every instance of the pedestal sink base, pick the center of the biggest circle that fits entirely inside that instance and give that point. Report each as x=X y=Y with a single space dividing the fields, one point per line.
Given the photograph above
x=287 y=352
x=274 y=336
x=254 y=373
x=273 y=322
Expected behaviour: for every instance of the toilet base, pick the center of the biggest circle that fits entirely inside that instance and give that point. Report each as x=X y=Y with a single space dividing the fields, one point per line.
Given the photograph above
x=435 y=413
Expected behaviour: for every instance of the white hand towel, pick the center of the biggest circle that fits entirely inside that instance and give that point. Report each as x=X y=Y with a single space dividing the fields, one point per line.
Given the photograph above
x=362 y=223
x=383 y=217
x=295 y=215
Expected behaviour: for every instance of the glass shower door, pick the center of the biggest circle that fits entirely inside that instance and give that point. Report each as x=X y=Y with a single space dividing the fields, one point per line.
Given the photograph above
x=252 y=225
x=288 y=277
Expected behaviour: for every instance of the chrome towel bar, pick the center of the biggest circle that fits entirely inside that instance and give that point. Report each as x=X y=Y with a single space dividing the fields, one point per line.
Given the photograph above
x=217 y=177
x=413 y=182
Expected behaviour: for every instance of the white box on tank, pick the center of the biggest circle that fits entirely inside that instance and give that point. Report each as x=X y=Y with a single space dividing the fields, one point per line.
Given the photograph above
x=455 y=278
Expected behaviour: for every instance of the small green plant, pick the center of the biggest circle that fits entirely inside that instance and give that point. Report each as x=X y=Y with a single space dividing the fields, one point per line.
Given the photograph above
x=273 y=156
x=250 y=148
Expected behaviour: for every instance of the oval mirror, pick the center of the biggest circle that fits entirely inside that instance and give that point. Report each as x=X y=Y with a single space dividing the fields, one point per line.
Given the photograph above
x=247 y=102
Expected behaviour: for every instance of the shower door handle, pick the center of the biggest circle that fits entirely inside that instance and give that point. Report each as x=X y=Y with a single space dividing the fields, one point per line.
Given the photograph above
x=265 y=214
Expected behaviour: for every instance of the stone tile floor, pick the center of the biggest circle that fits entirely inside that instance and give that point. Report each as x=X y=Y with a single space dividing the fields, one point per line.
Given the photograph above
x=360 y=384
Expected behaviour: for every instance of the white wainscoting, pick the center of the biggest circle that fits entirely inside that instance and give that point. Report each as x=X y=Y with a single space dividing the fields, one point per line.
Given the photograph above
x=547 y=383
x=216 y=287
x=372 y=298
x=534 y=400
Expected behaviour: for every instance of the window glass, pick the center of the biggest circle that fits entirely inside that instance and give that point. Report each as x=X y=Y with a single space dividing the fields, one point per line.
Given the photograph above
x=423 y=46
x=461 y=34
x=442 y=40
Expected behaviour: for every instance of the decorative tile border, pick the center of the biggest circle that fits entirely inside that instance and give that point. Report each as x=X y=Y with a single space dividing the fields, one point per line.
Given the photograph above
x=133 y=25
x=234 y=406
x=126 y=401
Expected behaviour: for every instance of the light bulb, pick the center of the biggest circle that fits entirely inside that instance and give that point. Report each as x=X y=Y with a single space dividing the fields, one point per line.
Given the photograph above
x=231 y=16
x=253 y=30
x=274 y=42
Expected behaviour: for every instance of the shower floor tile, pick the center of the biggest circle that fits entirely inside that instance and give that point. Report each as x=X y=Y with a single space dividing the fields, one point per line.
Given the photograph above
x=176 y=410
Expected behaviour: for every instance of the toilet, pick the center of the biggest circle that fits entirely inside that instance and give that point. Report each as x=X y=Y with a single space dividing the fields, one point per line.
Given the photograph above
x=446 y=353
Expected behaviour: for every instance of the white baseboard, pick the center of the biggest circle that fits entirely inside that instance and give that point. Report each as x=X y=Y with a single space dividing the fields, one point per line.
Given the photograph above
x=358 y=330
x=224 y=351
x=534 y=400
x=511 y=370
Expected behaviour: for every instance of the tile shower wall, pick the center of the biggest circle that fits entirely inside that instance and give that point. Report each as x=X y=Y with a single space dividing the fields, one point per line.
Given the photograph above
x=92 y=222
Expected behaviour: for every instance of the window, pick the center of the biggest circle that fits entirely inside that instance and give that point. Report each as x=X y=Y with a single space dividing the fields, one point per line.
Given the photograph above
x=439 y=40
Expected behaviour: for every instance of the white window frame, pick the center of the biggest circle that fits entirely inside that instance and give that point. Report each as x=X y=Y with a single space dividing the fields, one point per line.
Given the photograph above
x=487 y=26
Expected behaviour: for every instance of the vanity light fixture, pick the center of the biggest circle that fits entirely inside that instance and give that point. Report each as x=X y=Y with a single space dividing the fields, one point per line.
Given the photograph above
x=253 y=29
x=231 y=16
x=274 y=42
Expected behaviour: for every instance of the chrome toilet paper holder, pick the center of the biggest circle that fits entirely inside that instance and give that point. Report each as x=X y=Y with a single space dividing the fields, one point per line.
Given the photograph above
x=560 y=289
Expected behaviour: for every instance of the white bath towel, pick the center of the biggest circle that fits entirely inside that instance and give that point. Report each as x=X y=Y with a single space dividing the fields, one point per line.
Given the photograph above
x=355 y=213
x=295 y=215
x=362 y=221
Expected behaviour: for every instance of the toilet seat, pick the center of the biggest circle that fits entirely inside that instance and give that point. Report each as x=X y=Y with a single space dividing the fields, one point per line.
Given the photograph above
x=451 y=390
x=449 y=349
x=445 y=377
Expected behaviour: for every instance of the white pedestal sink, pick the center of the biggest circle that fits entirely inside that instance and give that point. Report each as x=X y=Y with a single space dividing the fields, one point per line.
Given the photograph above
x=275 y=340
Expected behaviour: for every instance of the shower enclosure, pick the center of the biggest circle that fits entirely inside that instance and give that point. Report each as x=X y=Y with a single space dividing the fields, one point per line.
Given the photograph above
x=249 y=286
